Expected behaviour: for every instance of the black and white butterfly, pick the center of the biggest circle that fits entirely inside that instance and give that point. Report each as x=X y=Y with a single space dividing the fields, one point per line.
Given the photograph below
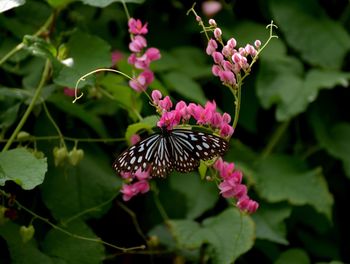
x=178 y=149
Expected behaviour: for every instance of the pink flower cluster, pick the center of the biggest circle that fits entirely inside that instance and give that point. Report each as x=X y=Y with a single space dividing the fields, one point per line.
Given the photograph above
x=229 y=61
x=139 y=58
x=232 y=187
x=182 y=113
x=139 y=183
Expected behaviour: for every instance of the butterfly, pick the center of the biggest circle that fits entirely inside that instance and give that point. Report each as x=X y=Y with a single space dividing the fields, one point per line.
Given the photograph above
x=177 y=149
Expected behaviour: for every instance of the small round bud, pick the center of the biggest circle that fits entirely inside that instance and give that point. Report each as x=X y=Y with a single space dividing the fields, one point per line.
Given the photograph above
x=217 y=33
x=257 y=43
x=22 y=135
x=212 y=22
x=199 y=19
x=153 y=241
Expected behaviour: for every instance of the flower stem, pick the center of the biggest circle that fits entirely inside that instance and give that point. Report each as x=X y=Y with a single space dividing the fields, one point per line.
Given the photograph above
x=277 y=135
x=30 y=107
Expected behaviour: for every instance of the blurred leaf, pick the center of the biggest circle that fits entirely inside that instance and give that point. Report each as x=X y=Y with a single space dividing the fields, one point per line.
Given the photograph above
x=122 y=93
x=9 y=4
x=191 y=62
x=59 y=3
x=146 y=123
x=86 y=58
x=8 y=116
x=229 y=235
x=269 y=220
x=294 y=255
x=286 y=178
x=280 y=82
x=104 y=3
x=335 y=139
x=71 y=190
x=72 y=249
x=200 y=195
x=22 y=252
x=329 y=42
x=22 y=167
x=185 y=86
x=75 y=110
x=39 y=47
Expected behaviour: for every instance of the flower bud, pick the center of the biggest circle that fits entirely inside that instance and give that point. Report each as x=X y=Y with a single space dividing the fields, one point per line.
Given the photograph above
x=217 y=33
x=59 y=154
x=26 y=233
x=75 y=156
x=22 y=135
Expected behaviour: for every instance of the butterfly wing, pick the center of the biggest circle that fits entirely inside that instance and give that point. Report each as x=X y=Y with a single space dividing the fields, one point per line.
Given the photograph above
x=150 y=152
x=189 y=147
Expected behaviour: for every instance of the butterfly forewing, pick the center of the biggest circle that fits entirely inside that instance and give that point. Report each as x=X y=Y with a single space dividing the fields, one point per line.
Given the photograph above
x=177 y=149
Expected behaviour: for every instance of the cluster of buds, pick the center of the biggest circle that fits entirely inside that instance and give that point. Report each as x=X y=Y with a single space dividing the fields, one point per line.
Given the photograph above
x=230 y=61
x=141 y=58
x=231 y=186
x=204 y=116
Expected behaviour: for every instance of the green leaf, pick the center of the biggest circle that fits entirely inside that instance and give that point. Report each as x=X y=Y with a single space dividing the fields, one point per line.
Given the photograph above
x=335 y=139
x=191 y=62
x=104 y=3
x=294 y=255
x=71 y=190
x=9 y=4
x=65 y=104
x=281 y=82
x=22 y=252
x=200 y=195
x=269 y=220
x=72 y=249
x=59 y=3
x=284 y=178
x=8 y=116
x=229 y=235
x=22 y=167
x=95 y=54
x=185 y=86
x=146 y=123
x=329 y=42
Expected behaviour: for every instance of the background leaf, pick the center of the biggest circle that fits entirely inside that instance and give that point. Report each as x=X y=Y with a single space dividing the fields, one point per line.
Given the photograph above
x=22 y=167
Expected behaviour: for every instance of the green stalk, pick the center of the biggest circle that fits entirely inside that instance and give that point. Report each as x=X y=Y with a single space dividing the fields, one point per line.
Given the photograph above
x=31 y=105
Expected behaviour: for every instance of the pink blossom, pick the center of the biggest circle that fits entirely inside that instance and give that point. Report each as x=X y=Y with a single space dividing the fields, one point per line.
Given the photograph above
x=126 y=175
x=216 y=120
x=231 y=43
x=169 y=120
x=137 y=43
x=210 y=8
x=217 y=56
x=142 y=174
x=165 y=104
x=217 y=33
x=227 y=77
x=248 y=205
x=116 y=56
x=215 y=69
x=250 y=50
x=156 y=96
x=226 y=118
x=153 y=54
x=211 y=47
x=227 y=65
x=136 y=27
x=142 y=186
x=135 y=138
x=128 y=191
x=182 y=110
x=142 y=81
x=226 y=130
x=69 y=91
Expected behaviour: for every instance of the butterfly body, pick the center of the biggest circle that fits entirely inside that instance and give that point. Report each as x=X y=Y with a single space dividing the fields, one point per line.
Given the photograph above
x=178 y=149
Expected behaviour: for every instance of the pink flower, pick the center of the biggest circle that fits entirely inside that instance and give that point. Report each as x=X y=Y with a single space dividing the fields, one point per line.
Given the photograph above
x=142 y=186
x=165 y=104
x=136 y=27
x=248 y=205
x=217 y=56
x=226 y=130
x=69 y=91
x=142 y=81
x=130 y=190
x=210 y=8
x=137 y=43
x=135 y=138
x=227 y=77
x=169 y=120
x=215 y=69
x=212 y=22
x=126 y=175
x=142 y=174
x=217 y=33
x=153 y=54
x=156 y=96
x=257 y=43
x=211 y=47
x=116 y=56
x=182 y=110
x=226 y=118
